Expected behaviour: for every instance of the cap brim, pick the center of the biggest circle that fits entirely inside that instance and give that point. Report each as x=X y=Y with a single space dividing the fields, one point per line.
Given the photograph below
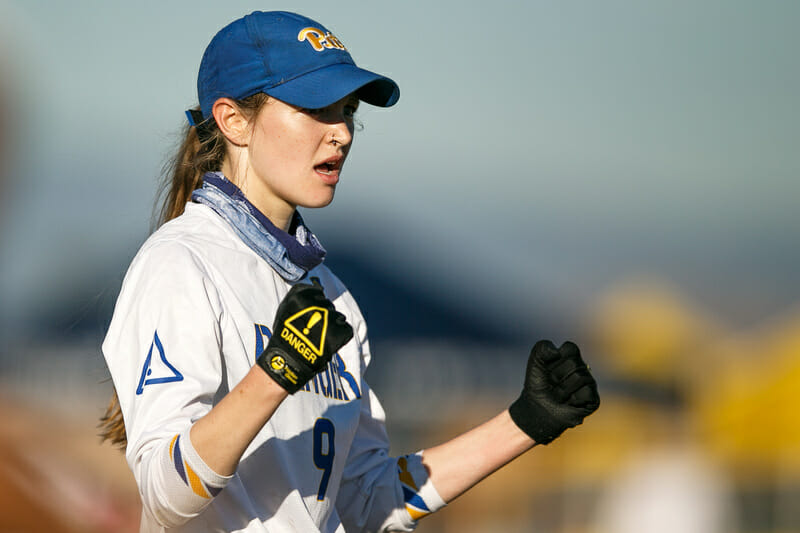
x=324 y=86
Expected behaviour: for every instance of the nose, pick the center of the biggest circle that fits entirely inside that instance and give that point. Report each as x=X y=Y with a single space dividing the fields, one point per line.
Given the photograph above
x=342 y=132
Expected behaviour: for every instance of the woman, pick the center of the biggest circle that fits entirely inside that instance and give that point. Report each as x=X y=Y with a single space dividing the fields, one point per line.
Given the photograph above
x=239 y=358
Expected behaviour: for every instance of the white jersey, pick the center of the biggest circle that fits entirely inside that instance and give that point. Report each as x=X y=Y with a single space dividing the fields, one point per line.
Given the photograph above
x=195 y=310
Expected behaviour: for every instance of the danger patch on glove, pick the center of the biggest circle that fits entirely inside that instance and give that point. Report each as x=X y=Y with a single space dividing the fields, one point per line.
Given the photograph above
x=305 y=332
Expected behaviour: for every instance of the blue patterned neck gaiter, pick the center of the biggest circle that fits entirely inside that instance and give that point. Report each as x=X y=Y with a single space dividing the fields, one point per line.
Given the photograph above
x=291 y=255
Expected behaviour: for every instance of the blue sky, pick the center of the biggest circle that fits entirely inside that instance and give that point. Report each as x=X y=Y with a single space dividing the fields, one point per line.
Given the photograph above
x=539 y=152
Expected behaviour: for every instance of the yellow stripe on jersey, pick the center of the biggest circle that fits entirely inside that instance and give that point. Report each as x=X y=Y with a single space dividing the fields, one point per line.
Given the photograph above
x=405 y=475
x=415 y=505
x=416 y=514
x=195 y=483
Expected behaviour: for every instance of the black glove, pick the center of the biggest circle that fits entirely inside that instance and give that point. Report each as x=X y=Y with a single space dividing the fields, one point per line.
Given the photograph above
x=559 y=392
x=307 y=331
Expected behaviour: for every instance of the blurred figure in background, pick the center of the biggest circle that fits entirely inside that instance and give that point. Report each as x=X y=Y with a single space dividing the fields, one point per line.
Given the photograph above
x=669 y=485
x=657 y=345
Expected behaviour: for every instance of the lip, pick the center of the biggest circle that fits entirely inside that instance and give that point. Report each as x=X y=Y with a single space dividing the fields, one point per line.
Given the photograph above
x=329 y=175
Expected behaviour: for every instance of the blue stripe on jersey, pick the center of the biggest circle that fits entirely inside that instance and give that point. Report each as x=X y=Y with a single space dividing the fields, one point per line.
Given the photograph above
x=178 y=460
x=412 y=498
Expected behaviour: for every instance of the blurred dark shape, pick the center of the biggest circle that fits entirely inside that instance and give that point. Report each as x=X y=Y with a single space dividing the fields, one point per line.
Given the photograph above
x=399 y=309
x=395 y=309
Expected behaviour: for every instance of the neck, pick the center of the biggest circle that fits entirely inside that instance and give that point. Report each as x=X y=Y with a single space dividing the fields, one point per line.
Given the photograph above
x=279 y=212
x=281 y=216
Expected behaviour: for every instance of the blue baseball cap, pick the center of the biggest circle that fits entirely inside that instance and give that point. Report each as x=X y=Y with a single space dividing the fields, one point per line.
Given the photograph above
x=289 y=57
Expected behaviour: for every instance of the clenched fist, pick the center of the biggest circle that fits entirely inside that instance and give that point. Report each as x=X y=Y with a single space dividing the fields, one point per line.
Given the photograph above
x=559 y=392
x=307 y=331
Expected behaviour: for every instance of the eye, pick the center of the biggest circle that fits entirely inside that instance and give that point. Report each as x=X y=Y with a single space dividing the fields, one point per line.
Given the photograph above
x=350 y=107
x=348 y=110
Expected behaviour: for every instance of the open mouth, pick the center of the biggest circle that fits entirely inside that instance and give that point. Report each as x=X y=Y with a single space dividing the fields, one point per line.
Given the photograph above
x=328 y=168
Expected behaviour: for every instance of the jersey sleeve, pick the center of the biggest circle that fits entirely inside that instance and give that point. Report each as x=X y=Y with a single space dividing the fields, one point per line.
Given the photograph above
x=163 y=350
x=379 y=492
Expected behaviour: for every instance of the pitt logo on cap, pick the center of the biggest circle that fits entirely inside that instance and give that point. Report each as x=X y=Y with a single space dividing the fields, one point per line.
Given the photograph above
x=319 y=40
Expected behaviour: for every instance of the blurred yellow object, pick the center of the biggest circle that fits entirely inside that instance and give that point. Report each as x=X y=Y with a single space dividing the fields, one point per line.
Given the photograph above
x=647 y=330
x=750 y=411
x=741 y=388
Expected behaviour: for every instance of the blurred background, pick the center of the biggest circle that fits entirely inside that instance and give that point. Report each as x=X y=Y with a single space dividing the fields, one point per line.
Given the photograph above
x=622 y=174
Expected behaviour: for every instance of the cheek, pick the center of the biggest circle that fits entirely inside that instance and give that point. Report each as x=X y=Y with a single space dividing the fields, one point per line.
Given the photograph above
x=268 y=152
x=285 y=150
x=285 y=144
x=262 y=159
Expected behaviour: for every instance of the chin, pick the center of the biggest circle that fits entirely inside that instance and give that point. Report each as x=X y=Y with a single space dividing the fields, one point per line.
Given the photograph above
x=321 y=201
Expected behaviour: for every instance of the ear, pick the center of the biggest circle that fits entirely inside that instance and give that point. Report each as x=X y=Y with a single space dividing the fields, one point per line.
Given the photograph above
x=231 y=122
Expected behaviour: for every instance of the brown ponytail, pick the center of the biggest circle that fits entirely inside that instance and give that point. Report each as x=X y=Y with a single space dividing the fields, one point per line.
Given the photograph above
x=181 y=175
x=112 y=425
x=184 y=172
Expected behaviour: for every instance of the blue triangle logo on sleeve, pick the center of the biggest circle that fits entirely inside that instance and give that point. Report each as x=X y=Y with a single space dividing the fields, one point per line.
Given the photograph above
x=159 y=370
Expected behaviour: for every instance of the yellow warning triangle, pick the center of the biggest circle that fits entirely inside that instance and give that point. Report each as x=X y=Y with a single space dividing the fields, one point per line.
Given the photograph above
x=311 y=326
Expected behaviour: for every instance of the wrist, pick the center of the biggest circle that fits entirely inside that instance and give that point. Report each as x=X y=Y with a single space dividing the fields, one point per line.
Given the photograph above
x=260 y=380
x=282 y=370
x=522 y=437
x=535 y=421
